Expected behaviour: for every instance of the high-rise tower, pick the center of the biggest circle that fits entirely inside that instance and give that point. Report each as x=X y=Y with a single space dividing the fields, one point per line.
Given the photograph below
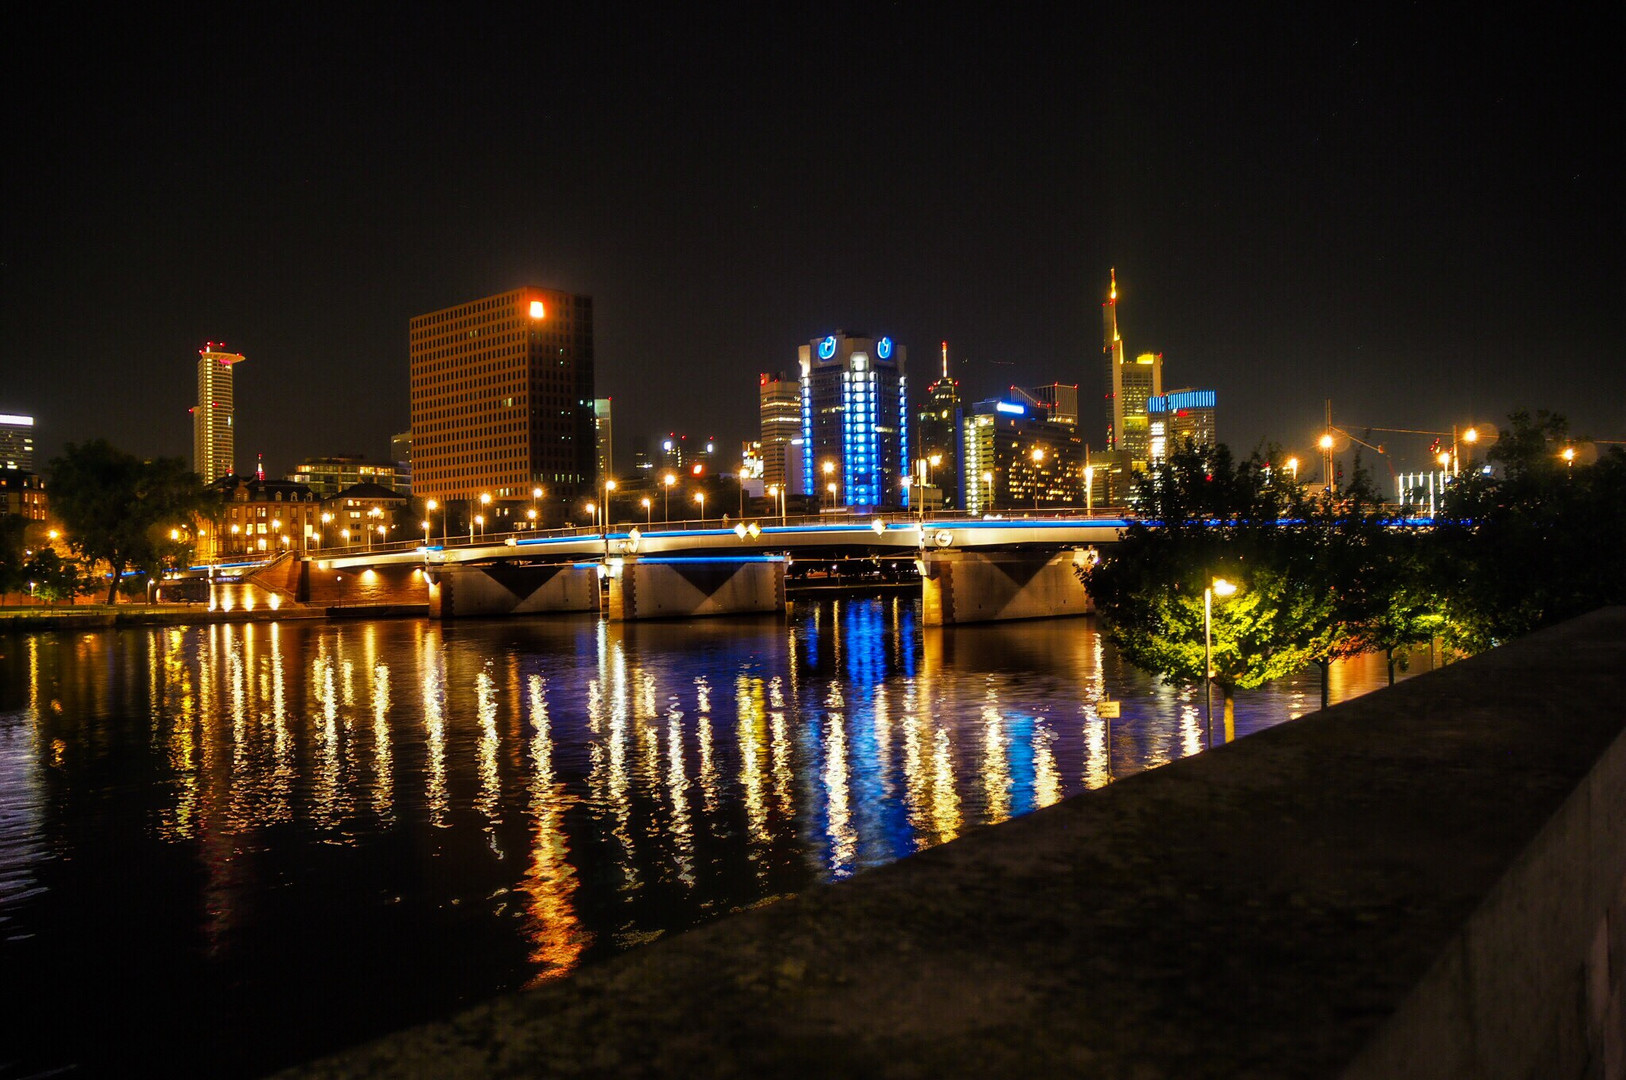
x=938 y=428
x=1112 y=352
x=1133 y=384
x=855 y=420
x=780 y=407
x=214 y=419
x=502 y=398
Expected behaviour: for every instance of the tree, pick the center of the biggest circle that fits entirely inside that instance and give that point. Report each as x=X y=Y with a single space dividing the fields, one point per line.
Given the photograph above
x=118 y=510
x=1202 y=517
x=1536 y=543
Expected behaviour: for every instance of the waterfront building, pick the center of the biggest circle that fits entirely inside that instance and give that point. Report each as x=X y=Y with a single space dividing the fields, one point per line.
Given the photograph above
x=327 y=476
x=780 y=410
x=214 y=420
x=22 y=494
x=855 y=420
x=365 y=514
x=1177 y=416
x=502 y=398
x=1017 y=459
x=256 y=516
x=937 y=427
x=603 y=457
x=16 y=442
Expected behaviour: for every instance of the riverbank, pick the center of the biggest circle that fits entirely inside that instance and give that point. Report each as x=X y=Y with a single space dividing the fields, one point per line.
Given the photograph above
x=1428 y=880
x=103 y=616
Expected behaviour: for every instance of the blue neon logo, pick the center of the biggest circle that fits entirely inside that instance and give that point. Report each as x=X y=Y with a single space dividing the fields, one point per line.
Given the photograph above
x=827 y=347
x=883 y=348
x=1008 y=407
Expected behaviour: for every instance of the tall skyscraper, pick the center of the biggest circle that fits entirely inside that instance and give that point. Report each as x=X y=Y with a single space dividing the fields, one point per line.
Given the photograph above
x=938 y=430
x=855 y=420
x=1132 y=385
x=1180 y=415
x=1017 y=459
x=1059 y=401
x=502 y=398
x=780 y=406
x=214 y=417
x=16 y=442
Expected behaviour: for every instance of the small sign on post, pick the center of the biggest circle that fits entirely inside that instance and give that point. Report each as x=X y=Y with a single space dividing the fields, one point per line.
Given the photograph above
x=1108 y=710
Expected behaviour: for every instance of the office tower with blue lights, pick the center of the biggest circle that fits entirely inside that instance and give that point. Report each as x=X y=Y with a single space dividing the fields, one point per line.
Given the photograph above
x=1180 y=415
x=855 y=420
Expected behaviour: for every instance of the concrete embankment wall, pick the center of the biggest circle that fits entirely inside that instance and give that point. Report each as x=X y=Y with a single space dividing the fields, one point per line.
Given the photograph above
x=1428 y=881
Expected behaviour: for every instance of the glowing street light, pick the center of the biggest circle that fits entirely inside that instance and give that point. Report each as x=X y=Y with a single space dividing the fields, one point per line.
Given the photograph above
x=1568 y=456
x=1326 y=462
x=327 y=519
x=829 y=485
x=536 y=493
x=649 y=510
x=700 y=497
x=1038 y=459
x=1221 y=588
x=1293 y=466
x=425 y=524
x=666 y=503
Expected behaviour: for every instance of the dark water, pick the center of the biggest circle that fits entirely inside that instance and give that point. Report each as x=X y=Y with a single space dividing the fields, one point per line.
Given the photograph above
x=225 y=849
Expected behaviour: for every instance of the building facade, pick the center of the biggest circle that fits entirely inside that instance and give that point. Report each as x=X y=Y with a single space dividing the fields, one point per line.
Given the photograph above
x=855 y=420
x=1180 y=415
x=22 y=494
x=603 y=441
x=214 y=417
x=16 y=442
x=258 y=517
x=937 y=429
x=502 y=399
x=1017 y=460
x=401 y=454
x=779 y=403
x=327 y=476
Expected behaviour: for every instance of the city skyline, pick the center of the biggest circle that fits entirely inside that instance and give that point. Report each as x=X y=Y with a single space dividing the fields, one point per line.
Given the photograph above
x=1404 y=215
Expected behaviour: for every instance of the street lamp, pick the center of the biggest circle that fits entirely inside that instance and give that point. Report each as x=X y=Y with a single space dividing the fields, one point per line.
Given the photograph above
x=430 y=507
x=1222 y=589
x=700 y=497
x=1568 y=456
x=326 y=520
x=829 y=485
x=649 y=512
x=425 y=524
x=536 y=493
x=1326 y=462
x=609 y=486
x=1293 y=466
x=831 y=488
x=666 y=502
x=1038 y=459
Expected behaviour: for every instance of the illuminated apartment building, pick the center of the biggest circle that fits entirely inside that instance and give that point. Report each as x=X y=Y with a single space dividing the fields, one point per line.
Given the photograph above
x=502 y=399
x=214 y=420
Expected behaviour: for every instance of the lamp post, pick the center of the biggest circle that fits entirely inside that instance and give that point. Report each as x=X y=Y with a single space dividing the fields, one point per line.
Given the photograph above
x=1038 y=459
x=649 y=512
x=536 y=493
x=1293 y=467
x=322 y=537
x=592 y=513
x=485 y=501
x=1470 y=437
x=666 y=503
x=700 y=497
x=829 y=483
x=1223 y=588
x=831 y=488
x=425 y=524
x=429 y=509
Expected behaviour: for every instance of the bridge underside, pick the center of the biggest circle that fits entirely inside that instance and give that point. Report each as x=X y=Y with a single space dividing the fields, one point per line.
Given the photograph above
x=469 y=590
x=667 y=588
x=973 y=586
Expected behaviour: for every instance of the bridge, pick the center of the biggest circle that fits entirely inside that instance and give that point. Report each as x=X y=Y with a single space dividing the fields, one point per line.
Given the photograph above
x=970 y=569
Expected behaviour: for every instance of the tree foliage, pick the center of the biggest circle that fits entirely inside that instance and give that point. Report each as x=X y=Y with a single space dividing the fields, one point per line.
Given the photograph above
x=118 y=510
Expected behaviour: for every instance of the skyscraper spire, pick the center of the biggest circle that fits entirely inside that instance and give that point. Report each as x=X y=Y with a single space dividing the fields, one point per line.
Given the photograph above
x=945 y=359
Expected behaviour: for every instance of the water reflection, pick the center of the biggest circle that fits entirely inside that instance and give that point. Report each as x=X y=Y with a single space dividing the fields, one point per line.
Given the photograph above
x=283 y=820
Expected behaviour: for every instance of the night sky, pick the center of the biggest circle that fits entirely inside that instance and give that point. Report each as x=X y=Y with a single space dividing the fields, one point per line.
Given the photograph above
x=1417 y=215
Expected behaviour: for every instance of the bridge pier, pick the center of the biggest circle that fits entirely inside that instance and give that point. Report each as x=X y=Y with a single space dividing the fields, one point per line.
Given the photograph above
x=976 y=586
x=462 y=591
x=654 y=587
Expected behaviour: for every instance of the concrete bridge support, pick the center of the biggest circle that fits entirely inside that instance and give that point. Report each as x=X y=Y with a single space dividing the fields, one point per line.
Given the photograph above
x=974 y=586
x=664 y=588
x=462 y=591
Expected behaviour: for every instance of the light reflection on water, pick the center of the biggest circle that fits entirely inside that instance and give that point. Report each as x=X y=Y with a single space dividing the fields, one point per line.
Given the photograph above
x=245 y=844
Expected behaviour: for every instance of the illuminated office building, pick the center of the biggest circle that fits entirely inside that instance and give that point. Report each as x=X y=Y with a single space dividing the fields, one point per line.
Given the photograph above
x=780 y=404
x=1017 y=459
x=937 y=428
x=855 y=420
x=327 y=476
x=1132 y=384
x=1177 y=416
x=214 y=421
x=1057 y=402
x=502 y=398
x=16 y=442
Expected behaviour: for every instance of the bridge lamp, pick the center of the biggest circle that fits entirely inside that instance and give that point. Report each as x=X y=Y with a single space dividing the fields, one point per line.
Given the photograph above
x=879 y=526
x=1038 y=459
x=425 y=524
x=666 y=504
x=649 y=513
x=1221 y=588
x=1568 y=456
x=739 y=530
x=700 y=497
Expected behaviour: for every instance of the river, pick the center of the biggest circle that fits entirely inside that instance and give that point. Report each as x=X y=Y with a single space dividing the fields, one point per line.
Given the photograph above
x=228 y=848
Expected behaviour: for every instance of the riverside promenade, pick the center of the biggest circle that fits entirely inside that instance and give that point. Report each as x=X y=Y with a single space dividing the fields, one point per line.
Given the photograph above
x=1426 y=881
